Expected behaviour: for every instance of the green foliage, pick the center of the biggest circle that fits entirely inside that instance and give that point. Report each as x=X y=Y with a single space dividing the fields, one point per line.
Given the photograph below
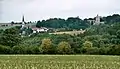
x=112 y=19
x=92 y=50
x=32 y=50
x=5 y=49
x=1 y=31
x=13 y=31
x=31 y=41
x=69 y=24
x=18 y=49
x=87 y=47
x=25 y=50
x=92 y=37
x=46 y=45
x=10 y=40
x=64 y=48
x=104 y=50
x=87 y=44
x=10 y=37
x=28 y=31
x=114 y=50
x=118 y=33
x=101 y=39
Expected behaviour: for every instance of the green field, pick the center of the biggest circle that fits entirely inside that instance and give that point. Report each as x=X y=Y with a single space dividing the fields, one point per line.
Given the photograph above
x=59 y=62
x=70 y=32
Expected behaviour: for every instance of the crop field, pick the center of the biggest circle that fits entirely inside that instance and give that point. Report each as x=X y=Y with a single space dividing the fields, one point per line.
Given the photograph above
x=70 y=32
x=59 y=62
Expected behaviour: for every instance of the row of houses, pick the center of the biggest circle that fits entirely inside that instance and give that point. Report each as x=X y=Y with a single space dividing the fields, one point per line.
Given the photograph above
x=42 y=29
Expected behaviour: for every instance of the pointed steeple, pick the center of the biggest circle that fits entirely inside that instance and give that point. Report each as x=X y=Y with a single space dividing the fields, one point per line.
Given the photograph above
x=23 y=19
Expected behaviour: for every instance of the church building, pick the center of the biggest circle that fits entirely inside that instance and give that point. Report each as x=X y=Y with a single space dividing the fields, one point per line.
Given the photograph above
x=23 y=26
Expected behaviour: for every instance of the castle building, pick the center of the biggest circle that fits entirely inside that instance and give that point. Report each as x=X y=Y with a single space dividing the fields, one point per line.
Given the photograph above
x=95 y=21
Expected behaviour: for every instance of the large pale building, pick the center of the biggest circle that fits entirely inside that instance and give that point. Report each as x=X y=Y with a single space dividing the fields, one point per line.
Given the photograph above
x=96 y=21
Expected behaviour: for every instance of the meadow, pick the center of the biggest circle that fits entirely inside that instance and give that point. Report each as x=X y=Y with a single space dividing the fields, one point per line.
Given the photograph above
x=70 y=32
x=59 y=62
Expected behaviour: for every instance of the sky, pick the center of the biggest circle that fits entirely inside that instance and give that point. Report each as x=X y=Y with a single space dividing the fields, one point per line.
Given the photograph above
x=34 y=10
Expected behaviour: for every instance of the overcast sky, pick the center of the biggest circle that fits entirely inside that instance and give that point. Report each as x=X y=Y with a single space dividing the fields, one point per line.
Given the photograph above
x=33 y=10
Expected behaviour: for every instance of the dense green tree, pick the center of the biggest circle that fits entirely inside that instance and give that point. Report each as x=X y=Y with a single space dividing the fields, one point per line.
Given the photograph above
x=112 y=19
x=87 y=44
x=10 y=37
x=93 y=50
x=5 y=50
x=114 y=50
x=46 y=45
x=32 y=50
x=10 y=40
x=104 y=50
x=13 y=31
x=118 y=33
x=64 y=48
x=28 y=31
x=18 y=50
x=31 y=41
x=69 y=24
x=1 y=31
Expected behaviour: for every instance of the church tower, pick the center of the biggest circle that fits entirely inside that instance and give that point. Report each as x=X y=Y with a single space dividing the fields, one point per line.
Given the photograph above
x=23 y=21
x=97 y=20
x=23 y=26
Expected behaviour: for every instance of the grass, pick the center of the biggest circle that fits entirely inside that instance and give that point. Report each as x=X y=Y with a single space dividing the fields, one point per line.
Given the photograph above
x=70 y=32
x=59 y=62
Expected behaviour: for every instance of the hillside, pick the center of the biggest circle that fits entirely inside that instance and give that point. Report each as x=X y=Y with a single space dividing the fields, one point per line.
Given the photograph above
x=102 y=39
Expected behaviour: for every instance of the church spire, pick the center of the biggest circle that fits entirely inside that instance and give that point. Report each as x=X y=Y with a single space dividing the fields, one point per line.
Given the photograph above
x=23 y=19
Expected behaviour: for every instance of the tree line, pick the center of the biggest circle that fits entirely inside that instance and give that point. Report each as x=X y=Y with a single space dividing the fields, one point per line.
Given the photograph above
x=101 y=39
x=69 y=24
x=75 y=22
x=61 y=44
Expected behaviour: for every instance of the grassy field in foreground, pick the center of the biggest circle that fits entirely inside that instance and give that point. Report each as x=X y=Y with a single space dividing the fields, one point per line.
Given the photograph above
x=59 y=62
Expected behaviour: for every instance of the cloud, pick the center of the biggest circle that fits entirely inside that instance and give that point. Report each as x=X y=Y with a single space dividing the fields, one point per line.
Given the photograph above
x=44 y=9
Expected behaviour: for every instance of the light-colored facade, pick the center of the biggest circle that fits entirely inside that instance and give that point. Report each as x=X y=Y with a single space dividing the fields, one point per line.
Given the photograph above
x=42 y=29
x=96 y=21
